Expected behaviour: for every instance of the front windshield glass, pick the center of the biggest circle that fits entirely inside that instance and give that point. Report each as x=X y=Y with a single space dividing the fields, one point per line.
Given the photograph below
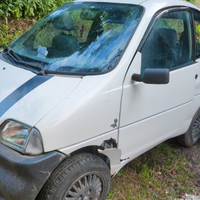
x=86 y=38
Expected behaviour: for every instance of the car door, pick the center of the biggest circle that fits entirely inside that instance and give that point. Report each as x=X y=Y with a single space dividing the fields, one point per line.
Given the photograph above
x=152 y=113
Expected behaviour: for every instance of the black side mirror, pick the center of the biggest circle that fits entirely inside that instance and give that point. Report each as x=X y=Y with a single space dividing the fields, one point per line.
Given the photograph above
x=153 y=76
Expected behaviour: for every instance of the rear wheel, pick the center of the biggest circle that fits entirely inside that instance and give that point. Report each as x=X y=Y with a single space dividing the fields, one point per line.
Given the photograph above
x=82 y=177
x=193 y=133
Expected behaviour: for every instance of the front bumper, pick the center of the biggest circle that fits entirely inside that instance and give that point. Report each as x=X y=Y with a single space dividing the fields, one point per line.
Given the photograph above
x=22 y=177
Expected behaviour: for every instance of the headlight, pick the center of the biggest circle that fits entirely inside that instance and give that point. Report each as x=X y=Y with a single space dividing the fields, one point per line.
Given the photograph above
x=21 y=137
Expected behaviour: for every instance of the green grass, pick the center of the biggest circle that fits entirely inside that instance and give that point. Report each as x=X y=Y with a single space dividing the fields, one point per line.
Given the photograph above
x=8 y=34
x=161 y=173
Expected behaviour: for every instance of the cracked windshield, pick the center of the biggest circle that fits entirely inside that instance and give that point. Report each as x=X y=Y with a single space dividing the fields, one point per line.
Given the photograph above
x=80 y=38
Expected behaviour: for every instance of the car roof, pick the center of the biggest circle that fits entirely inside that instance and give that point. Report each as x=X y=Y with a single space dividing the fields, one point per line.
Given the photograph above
x=147 y=3
x=136 y=2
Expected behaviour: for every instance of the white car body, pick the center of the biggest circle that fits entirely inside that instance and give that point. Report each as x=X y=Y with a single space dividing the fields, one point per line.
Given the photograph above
x=74 y=112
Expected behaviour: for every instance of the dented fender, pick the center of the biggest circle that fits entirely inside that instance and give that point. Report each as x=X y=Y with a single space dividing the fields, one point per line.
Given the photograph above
x=106 y=144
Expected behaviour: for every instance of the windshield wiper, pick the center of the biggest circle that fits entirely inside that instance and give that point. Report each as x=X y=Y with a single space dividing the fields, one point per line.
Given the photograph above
x=73 y=71
x=15 y=58
x=46 y=72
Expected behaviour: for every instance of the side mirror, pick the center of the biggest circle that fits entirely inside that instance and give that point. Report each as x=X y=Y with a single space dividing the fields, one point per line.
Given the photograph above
x=153 y=76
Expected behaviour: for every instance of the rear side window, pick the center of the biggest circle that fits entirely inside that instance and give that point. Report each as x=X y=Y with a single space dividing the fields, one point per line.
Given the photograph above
x=169 y=44
x=196 y=15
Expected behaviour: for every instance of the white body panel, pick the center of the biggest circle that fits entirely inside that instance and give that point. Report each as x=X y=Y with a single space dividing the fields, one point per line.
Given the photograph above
x=37 y=103
x=89 y=111
x=143 y=135
x=9 y=78
x=47 y=99
x=97 y=141
x=146 y=100
x=198 y=80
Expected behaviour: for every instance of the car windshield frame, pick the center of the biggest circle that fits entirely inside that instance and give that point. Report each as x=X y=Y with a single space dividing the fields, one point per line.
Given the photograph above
x=129 y=30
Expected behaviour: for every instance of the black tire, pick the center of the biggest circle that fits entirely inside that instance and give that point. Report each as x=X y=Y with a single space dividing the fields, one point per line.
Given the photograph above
x=81 y=177
x=193 y=134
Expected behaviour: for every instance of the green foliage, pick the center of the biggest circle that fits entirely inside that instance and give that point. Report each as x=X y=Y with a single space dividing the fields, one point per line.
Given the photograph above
x=8 y=34
x=28 y=8
x=197 y=28
x=197 y=25
x=192 y=1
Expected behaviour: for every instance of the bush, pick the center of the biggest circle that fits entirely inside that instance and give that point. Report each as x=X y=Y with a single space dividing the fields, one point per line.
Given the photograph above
x=8 y=34
x=192 y=1
x=33 y=8
x=13 y=29
x=28 y=8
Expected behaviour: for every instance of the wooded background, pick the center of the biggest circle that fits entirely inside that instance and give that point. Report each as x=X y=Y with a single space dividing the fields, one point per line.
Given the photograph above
x=28 y=8
x=32 y=8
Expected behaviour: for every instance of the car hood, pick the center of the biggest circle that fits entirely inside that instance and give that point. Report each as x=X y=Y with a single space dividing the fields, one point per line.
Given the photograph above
x=27 y=97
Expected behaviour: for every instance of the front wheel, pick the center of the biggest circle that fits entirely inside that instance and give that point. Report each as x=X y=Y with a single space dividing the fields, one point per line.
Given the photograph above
x=193 y=134
x=82 y=177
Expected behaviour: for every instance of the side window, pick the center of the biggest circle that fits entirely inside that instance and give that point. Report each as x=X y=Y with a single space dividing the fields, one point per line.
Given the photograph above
x=169 y=44
x=196 y=15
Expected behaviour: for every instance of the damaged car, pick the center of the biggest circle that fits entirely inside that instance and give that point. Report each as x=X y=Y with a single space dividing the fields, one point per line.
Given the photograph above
x=90 y=87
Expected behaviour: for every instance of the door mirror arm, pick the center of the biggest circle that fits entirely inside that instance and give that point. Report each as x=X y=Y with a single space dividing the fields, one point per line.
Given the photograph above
x=137 y=77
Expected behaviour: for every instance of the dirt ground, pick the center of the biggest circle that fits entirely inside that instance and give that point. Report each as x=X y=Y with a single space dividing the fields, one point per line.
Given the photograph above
x=193 y=157
x=169 y=171
x=17 y=24
x=193 y=164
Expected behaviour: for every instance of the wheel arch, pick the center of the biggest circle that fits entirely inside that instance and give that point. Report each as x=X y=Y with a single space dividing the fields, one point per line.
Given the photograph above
x=70 y=172
x=111 y=155
x=104 y=146
x=92 y=150
x=187 y=139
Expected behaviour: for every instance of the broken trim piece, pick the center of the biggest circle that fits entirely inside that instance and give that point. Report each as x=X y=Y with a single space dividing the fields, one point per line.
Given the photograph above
x=114 y=155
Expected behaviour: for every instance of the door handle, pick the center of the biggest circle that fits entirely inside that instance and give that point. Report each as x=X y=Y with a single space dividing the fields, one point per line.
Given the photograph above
x=196 y=76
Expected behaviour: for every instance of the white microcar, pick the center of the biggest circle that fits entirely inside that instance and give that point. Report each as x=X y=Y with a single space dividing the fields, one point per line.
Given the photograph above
x=90 y=87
